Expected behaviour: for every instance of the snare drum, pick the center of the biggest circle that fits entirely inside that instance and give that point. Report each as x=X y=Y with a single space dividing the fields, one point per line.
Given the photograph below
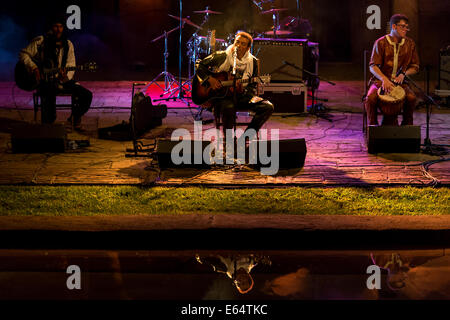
x=391 y=104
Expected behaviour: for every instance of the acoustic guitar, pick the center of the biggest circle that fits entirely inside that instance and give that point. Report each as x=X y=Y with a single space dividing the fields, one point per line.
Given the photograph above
x=202 y=94
x=25 y=80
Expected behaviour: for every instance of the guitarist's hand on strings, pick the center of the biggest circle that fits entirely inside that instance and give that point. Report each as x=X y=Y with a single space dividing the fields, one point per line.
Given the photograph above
x=239 y=87
x=214 y=83
x=63 y=75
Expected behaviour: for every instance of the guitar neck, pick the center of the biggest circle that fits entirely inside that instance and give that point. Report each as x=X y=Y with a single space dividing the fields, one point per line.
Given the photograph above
x=229 y=83
x=55 y=70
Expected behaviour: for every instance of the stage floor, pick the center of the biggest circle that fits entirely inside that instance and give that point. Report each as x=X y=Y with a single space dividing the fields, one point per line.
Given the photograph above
x=336 y=149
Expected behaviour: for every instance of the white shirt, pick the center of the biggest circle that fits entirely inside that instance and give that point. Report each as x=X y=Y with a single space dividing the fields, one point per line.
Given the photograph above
x=31 y=54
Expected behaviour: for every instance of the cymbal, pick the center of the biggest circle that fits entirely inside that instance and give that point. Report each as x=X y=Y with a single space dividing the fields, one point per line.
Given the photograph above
x=208 y=11
x=279 y=32
x=186 y=20
x=273 y=10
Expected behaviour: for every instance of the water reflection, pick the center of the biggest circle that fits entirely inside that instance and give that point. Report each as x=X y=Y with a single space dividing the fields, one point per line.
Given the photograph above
x=237 y=267
x=415 y=277
x=204 y=275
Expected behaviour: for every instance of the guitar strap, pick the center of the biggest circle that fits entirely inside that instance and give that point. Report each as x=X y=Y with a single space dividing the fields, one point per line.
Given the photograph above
x=65 y=52
x=50 y=58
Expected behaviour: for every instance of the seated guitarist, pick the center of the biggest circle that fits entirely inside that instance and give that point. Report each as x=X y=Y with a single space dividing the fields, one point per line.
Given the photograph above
x=50 y=51
x=247 y=67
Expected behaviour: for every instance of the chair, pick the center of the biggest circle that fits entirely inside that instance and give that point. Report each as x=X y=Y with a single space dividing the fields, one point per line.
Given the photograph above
x=37 y=101
x=366 y=67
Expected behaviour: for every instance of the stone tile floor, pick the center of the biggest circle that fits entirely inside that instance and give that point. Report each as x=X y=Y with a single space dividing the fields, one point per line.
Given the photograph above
x=337 y=152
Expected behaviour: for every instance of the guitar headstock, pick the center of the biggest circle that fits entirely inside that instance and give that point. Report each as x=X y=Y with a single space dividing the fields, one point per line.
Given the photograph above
x=89 y=66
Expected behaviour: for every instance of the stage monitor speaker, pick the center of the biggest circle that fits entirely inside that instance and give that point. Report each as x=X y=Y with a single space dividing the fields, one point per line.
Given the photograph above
x=393 y=139
x=444 y=69
x=292 y=152
x=36 y=138
x=164 y=149
x=272 y=54
x=147 y=115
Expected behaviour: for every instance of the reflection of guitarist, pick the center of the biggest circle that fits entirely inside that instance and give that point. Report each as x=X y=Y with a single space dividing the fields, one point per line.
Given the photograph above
x=54 y=50
x=246 y=99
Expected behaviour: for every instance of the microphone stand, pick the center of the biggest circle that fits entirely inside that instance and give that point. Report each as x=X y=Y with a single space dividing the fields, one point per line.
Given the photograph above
x=429 y=148
x=234 y=74
x=314 y=109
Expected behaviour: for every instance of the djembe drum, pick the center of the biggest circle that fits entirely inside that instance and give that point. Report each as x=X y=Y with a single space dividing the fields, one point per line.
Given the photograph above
x=391 y=104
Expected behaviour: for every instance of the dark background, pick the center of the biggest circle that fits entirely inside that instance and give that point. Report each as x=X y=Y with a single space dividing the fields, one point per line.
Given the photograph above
x=117 y=33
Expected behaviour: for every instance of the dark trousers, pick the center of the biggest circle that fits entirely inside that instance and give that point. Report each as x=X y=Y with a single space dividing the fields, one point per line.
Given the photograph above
x=263 y=110
x=81 y=98
x=371 y=105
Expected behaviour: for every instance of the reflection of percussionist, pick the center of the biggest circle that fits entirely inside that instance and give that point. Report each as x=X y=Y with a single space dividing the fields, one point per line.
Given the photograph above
x=416 y=277
x=236 y=267
x=395 y=267
x=393 y=57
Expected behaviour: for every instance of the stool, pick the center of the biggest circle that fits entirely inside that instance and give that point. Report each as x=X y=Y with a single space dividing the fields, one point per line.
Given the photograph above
x=218 y=123
x=37 y=101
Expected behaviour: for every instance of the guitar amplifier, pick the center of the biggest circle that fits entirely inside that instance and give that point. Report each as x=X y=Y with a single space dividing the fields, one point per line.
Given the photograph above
x=274 y=52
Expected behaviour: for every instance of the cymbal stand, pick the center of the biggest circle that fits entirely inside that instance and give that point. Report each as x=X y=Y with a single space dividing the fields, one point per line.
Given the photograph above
x=276 y=23
x=187 y=85
x=169 y=79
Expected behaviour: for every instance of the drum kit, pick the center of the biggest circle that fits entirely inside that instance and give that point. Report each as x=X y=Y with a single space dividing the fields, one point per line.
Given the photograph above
x=200 y=46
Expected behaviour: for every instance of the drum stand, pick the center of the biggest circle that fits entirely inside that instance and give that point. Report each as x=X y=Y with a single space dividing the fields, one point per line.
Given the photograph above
x=181 y=92
x=169 y=79
x=429 y=148
x=192 y=60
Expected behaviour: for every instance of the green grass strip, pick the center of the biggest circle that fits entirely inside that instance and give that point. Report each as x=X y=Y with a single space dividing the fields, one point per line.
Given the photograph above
x=132 y=200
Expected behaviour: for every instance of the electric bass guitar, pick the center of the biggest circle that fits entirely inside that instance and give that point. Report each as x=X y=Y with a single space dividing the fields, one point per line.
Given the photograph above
x=25 y=80
x=202 y=94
